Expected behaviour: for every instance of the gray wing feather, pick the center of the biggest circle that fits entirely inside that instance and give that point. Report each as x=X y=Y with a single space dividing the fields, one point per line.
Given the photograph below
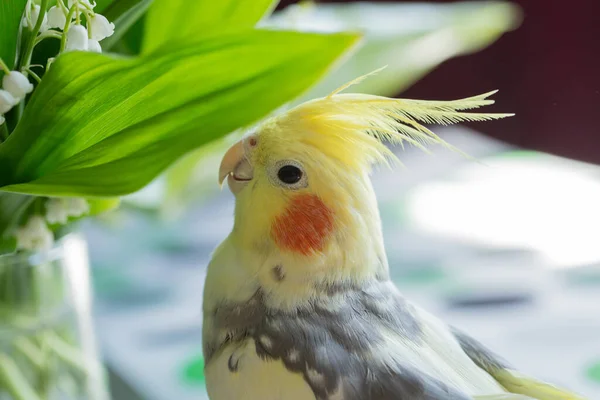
x=481 y=355
x=405 y=383
x=505 y=375
x=332 y=342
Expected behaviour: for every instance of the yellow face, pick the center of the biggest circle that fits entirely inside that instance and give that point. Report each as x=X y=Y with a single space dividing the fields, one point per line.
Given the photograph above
x=285 y=190
x=301 y=203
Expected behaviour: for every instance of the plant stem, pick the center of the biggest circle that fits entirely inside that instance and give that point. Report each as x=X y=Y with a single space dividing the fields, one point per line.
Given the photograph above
x=46 y=35
x=31 y=43
x=34 y=75
x=63 y=41
x=4 y=66
x=63 y=7
x=26 y=59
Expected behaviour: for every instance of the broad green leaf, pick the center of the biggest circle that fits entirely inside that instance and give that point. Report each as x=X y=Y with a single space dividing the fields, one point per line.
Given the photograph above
x=411 y=39
x=115 y=9
x=174 y=21
x=103 y=126
x=100 y=206
x=103 y=5
x=11 y=12
x=124 y=21
x=132 y=41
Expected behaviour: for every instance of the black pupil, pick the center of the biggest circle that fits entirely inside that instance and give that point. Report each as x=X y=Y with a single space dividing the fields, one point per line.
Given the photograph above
x=289 y=174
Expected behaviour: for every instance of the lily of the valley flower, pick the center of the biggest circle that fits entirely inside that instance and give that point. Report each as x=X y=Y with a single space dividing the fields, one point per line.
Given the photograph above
x=35 y=13
x=17 y=84
x=34 y=235
x=56 y=17
x=77 y=38
x=15 y=87
x=77 y=206
x=94 y=46
x=101 y=27
x=7 y=101
x=58 y=210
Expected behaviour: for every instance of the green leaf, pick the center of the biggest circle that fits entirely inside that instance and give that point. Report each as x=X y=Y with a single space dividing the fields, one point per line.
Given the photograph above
x=174 y=21
x=131 y=42
x=103 y=5
x=113 y=10
x=125 y=20
x=103 y=126
x=100 y=206
x=11 y=12
x=411 y=39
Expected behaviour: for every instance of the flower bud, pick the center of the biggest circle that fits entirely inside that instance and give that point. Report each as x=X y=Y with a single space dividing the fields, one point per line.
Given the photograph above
x=56 y=17
x=101 y=28
x=2 y=119
x=7 y=101
x=77 y=38
x=17 y=84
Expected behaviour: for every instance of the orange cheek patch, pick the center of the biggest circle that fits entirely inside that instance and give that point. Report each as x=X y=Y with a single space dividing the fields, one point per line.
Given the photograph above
x=304 y=225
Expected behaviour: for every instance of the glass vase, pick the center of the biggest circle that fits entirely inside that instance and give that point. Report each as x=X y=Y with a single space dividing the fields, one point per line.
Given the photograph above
x=47 y=345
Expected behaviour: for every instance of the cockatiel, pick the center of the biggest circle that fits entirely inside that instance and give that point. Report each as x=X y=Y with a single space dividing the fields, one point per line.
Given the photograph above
x=298 y=303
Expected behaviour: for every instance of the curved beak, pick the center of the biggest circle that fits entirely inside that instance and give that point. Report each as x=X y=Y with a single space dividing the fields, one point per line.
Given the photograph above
x=235 y=167
x=230 y=160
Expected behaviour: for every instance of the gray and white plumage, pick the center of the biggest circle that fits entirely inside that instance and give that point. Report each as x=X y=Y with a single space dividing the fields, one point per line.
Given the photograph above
x=350 y=342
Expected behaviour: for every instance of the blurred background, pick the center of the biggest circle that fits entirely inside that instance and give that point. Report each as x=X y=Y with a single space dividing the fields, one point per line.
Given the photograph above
x=505 y=248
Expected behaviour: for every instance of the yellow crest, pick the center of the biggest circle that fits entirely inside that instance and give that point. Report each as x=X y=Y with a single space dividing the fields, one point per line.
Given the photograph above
x=354 y=127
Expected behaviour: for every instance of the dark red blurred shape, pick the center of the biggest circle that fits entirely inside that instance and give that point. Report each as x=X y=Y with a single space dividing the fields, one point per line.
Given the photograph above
x=548 y=73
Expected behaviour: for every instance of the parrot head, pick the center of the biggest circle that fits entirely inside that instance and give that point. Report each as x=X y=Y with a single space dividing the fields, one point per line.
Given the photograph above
x=301 y=179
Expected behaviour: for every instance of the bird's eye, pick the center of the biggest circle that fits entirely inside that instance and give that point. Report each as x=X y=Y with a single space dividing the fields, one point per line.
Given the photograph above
x=289 y=174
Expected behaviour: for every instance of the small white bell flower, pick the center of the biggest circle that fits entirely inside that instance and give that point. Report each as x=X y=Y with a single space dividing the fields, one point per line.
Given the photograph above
x=94 y=46
x=77 y=38
x=7 y=101
x=2 y=119
x=77 y=206
x=101 y=27
x=58 y=210
x=17 y=84
x=56 y=18
x=35 y=13
x=34 y=235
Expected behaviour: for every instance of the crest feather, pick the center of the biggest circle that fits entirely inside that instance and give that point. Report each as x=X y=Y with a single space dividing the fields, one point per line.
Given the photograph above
x=353 y=127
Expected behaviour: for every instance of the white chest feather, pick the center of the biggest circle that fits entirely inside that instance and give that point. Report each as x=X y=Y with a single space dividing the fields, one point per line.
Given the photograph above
x=238 y=373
